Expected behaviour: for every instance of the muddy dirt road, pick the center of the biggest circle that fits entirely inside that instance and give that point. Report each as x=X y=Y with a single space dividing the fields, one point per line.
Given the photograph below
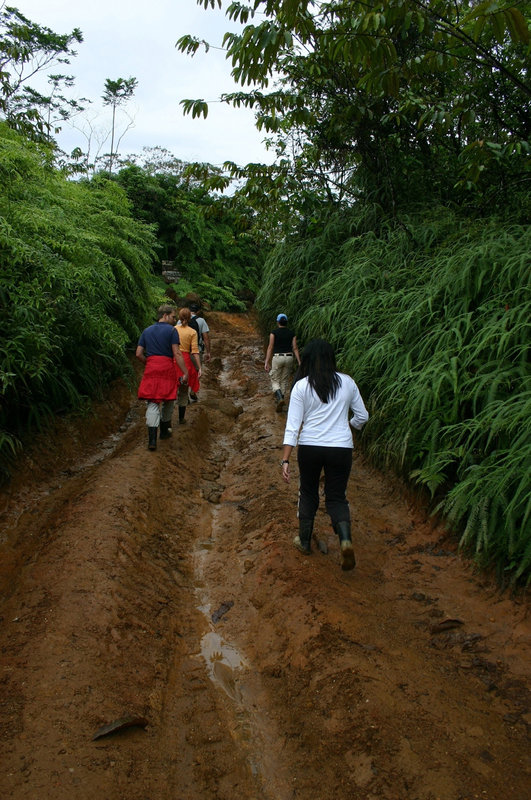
x=163 y=589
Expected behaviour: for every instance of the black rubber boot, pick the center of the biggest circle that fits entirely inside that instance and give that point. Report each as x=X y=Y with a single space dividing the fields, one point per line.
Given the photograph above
x=152 y=438
x=165 y=432
x=279 y=399
x=303 y=542
x=348 y=559
x=182 y=412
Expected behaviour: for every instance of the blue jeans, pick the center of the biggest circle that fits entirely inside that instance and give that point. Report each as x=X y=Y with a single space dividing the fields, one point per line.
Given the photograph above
x=336 y=463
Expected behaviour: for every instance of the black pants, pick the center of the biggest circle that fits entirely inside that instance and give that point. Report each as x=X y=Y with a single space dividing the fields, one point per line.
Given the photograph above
x=336 y=463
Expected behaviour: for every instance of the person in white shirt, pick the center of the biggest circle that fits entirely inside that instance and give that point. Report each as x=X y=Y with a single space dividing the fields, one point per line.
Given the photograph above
x=318 y=421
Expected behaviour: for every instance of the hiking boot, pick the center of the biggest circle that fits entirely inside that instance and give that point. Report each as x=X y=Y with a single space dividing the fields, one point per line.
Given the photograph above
x=152 y=438
x=348 y=559
x=298 y=544
x=303 y=541
x=279 y=398
x=165 y=430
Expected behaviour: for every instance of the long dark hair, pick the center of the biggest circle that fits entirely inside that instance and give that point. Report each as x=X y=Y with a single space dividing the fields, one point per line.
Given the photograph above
x=318 y=364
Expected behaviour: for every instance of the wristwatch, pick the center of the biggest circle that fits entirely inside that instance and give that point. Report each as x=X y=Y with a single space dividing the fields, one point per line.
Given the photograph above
x=285 y=461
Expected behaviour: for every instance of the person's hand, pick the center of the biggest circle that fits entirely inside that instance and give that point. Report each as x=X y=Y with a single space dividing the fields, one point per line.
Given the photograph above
x=199 y=372
x=285 y=471
x=207 y=356
x=267 y=367
x=185 y=378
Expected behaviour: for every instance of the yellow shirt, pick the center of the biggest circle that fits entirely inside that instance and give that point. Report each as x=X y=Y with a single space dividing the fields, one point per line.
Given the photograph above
x=188 y=339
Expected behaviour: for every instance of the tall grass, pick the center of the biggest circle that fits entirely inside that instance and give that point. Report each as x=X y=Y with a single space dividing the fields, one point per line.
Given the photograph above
x=74 y=288
x=431 y=317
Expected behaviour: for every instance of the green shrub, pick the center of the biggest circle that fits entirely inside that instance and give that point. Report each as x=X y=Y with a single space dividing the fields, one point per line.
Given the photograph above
x=74 y=287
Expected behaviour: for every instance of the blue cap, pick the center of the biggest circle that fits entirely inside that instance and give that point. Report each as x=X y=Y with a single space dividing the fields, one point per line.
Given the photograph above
x=282 y=316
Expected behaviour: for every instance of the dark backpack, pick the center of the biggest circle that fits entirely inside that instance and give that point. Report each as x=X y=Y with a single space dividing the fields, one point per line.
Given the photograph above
x=192 y=322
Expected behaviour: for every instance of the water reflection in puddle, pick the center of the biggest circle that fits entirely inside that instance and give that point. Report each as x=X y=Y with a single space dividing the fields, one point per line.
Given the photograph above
x=229 y=670
x=223 y=662
x=226 y=666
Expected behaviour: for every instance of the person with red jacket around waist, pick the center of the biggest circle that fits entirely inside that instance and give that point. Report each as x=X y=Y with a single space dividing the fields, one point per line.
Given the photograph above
x=158 y=349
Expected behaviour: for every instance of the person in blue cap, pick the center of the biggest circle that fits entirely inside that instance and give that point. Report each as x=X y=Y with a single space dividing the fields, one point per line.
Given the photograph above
x=281 y=353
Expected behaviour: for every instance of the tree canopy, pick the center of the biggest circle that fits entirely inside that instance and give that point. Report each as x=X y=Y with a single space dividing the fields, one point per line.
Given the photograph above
x=116 y=94
x=26 y=50
x=215 y=243
x=390 y=99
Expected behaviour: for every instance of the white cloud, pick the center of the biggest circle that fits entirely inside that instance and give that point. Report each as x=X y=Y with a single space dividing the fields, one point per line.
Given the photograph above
x=136 y=38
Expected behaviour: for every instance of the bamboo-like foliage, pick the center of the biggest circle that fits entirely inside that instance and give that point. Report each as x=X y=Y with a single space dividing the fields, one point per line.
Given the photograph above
x=431 y=317
x=73 y=287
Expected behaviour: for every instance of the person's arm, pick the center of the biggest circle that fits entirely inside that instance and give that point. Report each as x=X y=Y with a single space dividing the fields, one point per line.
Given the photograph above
x=269 y=354
x=296 y=350
x=285 y=462
x=293 y=426
x=360 y=414
x=181 y=363
x=194 y=352
x=206 y=341
x=140 y=354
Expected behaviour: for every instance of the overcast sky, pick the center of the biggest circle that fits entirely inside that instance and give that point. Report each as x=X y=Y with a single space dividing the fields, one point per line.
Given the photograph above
x=136 y=38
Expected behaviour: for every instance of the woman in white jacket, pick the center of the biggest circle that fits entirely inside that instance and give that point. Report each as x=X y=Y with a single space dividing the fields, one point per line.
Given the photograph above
x=318 y=421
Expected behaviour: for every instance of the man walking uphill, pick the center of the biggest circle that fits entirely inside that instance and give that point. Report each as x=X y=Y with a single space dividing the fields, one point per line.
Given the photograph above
x=279 y=359
x=157 y=347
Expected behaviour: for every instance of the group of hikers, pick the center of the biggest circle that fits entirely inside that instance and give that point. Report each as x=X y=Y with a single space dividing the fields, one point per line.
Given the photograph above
x=172 y=350
x=324 y=406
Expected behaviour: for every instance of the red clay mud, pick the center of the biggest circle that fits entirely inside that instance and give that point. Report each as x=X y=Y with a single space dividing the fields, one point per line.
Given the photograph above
x=164 y=587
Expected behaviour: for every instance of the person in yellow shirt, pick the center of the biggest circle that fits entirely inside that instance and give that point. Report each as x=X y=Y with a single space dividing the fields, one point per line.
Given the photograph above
x=189 y=348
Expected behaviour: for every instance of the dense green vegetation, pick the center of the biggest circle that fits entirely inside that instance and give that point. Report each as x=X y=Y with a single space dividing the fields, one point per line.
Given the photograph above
x=432 y=320
x=213 y=241
x=386 y=100
x=81 y=272
x=81 y=259
x=74 y=286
